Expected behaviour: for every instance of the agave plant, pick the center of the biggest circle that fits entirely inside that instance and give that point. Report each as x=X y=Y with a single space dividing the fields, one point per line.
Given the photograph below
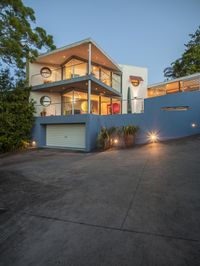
x=129 y=133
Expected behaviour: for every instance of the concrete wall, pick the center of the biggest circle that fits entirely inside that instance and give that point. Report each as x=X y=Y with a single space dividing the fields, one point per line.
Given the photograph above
x=168 y=124
x=139 y=92
x=53 y=109
x=36 y=79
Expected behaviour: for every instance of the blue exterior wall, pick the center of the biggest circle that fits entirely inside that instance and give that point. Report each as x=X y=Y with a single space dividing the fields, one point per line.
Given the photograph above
x=169 y=124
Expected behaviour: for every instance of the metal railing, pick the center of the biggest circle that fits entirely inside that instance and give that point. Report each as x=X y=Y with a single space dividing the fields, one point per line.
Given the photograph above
x=79 y=106
x=190 y=84
x=74 y=71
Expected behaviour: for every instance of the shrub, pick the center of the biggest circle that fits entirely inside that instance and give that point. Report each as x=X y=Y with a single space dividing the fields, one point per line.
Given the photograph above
x=16 y=114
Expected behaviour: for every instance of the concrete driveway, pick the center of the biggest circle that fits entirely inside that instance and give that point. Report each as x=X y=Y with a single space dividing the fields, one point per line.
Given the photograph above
x=123 y=207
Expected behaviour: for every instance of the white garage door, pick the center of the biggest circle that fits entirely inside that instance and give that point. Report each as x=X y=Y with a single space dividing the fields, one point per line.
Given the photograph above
x=68 y=136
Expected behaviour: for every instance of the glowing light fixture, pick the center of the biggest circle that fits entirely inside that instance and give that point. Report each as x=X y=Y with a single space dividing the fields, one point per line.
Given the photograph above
x=193 y=125
x=33 y=143
x=115 y=141
x=153 y=136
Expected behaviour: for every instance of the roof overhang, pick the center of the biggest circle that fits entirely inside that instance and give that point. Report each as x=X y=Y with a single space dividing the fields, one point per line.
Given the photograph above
x=79 y=83
x=79 y=49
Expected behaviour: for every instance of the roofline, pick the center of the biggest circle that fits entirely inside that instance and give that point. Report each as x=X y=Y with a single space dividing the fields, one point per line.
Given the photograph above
x=87 y=40
x=174 y=80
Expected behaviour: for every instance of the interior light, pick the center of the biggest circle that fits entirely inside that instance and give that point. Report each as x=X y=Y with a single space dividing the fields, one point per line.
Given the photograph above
x=153 y=136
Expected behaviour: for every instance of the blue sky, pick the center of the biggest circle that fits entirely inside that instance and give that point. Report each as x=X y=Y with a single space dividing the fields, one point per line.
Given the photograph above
x=141 y=33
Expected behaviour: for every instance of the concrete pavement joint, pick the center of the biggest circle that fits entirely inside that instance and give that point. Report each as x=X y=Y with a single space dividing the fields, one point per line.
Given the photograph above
x=134 y=194
x=107 y=227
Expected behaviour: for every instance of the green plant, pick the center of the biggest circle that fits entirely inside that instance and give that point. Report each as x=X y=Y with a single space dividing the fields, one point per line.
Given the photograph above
x=103 y=139
x=129 y=133
x=130 y=130
x=16 y=114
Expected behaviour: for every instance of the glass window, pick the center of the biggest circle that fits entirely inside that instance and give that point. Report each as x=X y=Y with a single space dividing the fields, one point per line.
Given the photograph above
x=75 y=102
x=45 y=101
x=75 y=68
x=106 y=108
x=116 y=82
x=172 y=87
x=106 y=76
x=191 y=85
x=94 y=104
x=95 y=71
x=116 y=106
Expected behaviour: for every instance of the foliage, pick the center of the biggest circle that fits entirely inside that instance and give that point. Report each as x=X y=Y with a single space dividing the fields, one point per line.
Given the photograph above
x=16 y=113
x=103 y=138
x=107 y=135
x=18 y=39
x=189 y=63
x=130 y=130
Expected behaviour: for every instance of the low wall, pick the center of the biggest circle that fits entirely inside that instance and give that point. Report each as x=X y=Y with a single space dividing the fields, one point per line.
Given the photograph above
x=168 y=124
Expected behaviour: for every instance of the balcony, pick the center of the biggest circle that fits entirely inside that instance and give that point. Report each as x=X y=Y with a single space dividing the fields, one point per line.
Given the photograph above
x=74 y=70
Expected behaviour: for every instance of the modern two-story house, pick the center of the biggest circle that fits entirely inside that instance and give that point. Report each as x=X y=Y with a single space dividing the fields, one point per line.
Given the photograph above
x=77 y=80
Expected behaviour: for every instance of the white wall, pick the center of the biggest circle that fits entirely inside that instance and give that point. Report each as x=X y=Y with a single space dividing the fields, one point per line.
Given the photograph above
x=36 y=79
x=139 y=92
x=53 y=109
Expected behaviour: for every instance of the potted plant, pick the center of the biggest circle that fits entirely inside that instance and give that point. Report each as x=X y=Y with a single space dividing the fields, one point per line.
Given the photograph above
x=103 y=139
x=129 y=133
x=44 y=112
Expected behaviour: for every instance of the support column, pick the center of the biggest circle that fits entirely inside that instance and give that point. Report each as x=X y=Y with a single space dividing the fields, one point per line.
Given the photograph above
x=89 y=58
x=73 y=103
x=89 y=93
x=89 y=73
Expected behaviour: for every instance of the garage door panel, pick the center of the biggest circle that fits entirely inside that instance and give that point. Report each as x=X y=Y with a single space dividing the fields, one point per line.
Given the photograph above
x=68 y=136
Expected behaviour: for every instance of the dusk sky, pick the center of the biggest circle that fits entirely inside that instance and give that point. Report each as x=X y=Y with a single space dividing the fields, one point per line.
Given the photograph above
x=147 y=33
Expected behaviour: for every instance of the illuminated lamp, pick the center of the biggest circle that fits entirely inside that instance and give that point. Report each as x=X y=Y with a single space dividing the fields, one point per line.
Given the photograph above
x=153 y=136
x=193 y=125
x=33 y=143
x=115 y=141
x=135 y=80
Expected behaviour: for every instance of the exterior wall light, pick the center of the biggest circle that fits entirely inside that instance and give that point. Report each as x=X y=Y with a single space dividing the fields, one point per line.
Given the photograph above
x=193 y=125
x=115 y=141
x=153 y=136
x=33 y=143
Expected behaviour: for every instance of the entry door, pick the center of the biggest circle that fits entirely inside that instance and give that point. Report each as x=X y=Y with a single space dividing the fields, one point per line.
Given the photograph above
x=67 y=136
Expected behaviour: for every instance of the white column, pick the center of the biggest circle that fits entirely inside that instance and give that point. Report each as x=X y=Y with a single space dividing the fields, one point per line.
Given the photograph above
x=73 y=103
x=89 y=58
x=89 y=93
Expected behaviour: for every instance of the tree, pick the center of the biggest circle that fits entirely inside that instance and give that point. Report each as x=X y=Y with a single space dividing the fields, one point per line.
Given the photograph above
x=16 y=113
x=18 y=39
x=189 y=63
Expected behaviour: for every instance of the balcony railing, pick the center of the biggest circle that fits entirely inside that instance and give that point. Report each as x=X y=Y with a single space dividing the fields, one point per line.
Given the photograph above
x=104 y=107
x=190 y=84
x=74 y=71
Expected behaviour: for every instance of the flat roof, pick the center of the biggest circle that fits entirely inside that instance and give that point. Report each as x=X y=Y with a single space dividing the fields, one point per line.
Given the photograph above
x=174 y=80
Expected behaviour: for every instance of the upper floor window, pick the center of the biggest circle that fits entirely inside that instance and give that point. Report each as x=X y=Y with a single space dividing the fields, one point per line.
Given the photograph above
x=45 y=72
x=75 y=68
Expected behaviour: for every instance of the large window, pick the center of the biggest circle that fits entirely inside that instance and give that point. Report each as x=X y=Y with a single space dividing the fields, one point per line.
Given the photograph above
x=116 y=82
x=75 y=68
x=76 y=102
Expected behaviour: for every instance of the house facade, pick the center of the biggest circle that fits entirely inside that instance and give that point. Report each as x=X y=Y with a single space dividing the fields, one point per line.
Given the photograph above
x=76 y=82
x=82 y=79
x=78 y=89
